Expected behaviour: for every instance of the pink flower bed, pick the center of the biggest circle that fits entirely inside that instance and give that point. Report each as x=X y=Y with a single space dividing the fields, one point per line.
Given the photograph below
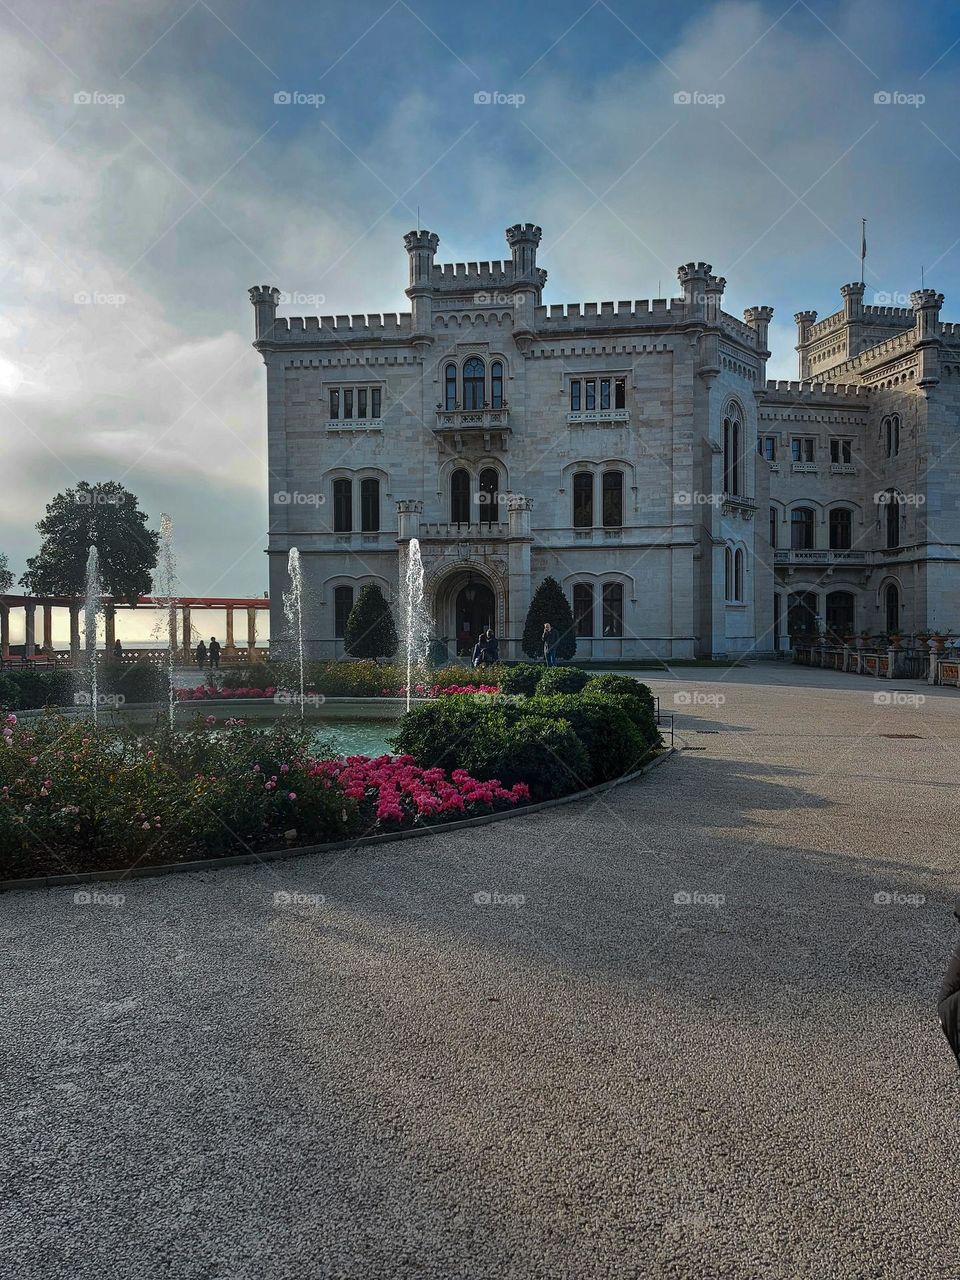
x=397 y=791
x=204 y=692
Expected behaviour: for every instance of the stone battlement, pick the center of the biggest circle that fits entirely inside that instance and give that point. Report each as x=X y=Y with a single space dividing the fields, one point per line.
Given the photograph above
x=339 y=328
x=818 y=390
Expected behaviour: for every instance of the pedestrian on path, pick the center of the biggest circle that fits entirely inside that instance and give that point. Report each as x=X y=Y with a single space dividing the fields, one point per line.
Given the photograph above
x=201 y=655
x=948 y=1002
x=214 y=652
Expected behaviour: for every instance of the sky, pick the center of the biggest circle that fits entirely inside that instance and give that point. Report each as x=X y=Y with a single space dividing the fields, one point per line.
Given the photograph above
x=150 y=174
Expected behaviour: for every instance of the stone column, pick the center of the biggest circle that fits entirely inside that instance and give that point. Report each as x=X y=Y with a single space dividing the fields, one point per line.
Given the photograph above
x=520 y=585
x=29 y=630
x=4 y=631
x=74 y=633
x=186 y=633
x=172 y=628
x=48 y=628
x=230 y=645
x=109 y=631
x=251 y=632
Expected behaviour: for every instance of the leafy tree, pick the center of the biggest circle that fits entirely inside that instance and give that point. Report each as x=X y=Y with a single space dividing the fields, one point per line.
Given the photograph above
x=6 y=577
x=370 y=630
x=106 y=516
x=549 y=604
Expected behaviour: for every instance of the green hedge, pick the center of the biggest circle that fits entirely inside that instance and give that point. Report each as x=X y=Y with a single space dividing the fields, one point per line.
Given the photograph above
x=613 y=684
x=556 y=743
x=523 y=678
x=562 y=680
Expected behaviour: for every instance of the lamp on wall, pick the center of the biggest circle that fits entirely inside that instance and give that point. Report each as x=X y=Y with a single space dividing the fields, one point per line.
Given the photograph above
x=470 y=591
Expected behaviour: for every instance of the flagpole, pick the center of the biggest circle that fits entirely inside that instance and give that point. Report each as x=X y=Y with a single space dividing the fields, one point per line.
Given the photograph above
x=863 y=245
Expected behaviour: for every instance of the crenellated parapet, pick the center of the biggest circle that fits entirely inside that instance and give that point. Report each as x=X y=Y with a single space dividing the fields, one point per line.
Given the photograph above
x=816 y=391
x=386 y=327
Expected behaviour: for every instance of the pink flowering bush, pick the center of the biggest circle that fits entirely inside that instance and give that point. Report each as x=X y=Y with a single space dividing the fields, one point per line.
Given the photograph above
x=209 y=692
x=395 y=792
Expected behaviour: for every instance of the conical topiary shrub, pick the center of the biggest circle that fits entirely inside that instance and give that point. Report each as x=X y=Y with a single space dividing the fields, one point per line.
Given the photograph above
x=370 y=630
x=549 y=604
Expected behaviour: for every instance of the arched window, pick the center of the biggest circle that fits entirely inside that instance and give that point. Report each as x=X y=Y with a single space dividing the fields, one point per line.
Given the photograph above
x=613 y=608
x=612 y=490
x=891 y=599
x=342 y=506
x=583 y=500
x=342 y=604
x=731 y=450
x=473 y=377
x=773 y=527
x=802 y=616
x=583 y=608
x=841 y=529
x=496 y=385
x=450 y=386
x=840 y=611
x=738 y=574
x=801 y=529
x=489 y=506
x=892 y=425
x=727 y=574
x=460 y=497
x=893 y=517
x=370 y=505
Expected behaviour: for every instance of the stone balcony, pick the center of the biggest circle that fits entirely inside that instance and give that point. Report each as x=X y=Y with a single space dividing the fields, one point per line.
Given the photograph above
x=446 y=531
x=820 y=556
x=460 y=427
x=608 y=417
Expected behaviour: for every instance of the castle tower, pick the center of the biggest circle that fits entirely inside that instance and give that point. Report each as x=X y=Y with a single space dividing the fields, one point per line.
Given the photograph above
x=926 y=305
x=852 y=295
x=758 y=319
x=264 y=298
x=421 y=248
x=805 y=320
x=523 y=239
x=693 y=277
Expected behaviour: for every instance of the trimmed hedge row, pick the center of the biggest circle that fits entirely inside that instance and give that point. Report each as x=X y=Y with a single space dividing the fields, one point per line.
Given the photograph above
x=60 y=687
x=555 y=741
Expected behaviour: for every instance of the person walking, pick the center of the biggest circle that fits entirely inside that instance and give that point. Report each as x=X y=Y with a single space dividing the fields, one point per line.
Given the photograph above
x=201 y=655
x=480 y=650
x=948 y=1001
x=117 y=650
x=214 y=652
x=550 y=641
x=491 y=647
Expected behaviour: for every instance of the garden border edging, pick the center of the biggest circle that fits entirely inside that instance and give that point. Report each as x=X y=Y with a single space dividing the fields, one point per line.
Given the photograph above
x=279 y=855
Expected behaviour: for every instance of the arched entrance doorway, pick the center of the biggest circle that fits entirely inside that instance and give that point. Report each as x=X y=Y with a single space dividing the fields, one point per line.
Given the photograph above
x=474 y=611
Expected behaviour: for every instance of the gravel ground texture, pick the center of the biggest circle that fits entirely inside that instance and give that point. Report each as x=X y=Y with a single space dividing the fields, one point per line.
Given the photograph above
x=684 y=1030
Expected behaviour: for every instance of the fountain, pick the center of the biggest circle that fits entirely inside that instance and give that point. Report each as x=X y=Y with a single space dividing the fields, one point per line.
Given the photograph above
x=417 y=622
x=293 y=612
x=168 y=574
x=91 y=607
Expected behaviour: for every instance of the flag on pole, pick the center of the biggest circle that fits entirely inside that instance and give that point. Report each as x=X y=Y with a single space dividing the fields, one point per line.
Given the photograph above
x=863 y=245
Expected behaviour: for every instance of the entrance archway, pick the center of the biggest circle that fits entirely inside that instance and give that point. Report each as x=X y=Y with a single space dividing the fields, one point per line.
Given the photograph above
x=474 y=611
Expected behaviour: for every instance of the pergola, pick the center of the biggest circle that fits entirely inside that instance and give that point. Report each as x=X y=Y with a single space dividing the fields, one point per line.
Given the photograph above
x=183 y=606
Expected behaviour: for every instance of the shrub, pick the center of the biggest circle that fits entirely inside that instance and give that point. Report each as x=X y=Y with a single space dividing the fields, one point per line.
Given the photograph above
x=613 y=684
x=521 y=679
x=256 y=676
x=370 y=630
x=9 y=693
x=561 y=680
x=139 y=683
x=549 y=604
x=639 y=714
x=614 y=744
x=436 y=734
x=544 y=753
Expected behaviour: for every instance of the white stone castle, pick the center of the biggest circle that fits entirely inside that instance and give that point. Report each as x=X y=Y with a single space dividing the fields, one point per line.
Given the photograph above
x=632 y=450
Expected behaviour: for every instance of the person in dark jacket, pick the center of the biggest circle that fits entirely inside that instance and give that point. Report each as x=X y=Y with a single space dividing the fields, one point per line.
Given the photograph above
x=550 y=642
x=948 y=1002
x=214 y=651
x=491 y=647
x=480 y=650
x=201 y=655
x=117 y=650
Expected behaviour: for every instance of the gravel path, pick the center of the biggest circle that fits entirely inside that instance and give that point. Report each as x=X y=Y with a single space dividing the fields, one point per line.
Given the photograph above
x=581 y=1077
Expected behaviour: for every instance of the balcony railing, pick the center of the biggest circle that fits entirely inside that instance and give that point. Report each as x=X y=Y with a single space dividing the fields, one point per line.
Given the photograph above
x=804 y=468
x=598 y=415
x=842 y=469
x=820 y=555
x=491 y=427
x=451 y=531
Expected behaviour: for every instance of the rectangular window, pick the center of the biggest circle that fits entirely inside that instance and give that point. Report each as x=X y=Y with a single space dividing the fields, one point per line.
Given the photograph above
x=575 y=396
x=348 y=402
x=604 y=393
x=612 y=491
x=354 y=402
x=841 y=450
x=583 y=608
x=591 y=394
x=620 y=393
x=342 y=604
x=334 y=403
x=612 y=609
x=374 y=402
x=802 y=448
x=361 y=402
x=768 y=447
